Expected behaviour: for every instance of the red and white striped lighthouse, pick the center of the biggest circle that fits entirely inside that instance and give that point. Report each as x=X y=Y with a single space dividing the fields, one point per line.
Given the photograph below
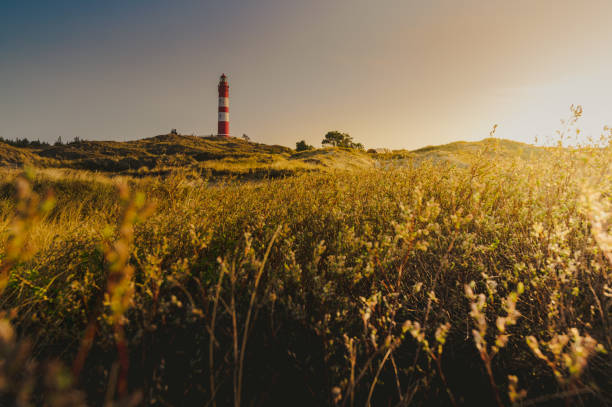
x=223 y=107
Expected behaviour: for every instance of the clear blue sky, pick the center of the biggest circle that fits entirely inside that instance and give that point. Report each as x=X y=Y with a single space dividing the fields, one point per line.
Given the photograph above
x=392 y=73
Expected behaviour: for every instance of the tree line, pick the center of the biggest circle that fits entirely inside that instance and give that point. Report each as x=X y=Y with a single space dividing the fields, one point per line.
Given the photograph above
x=24 y=142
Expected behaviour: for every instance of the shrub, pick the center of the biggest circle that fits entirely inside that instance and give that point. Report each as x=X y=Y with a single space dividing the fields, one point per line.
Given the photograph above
x=303 y=146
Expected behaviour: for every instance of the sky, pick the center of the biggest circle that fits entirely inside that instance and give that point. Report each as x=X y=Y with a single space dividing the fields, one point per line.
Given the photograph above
x=391 y=73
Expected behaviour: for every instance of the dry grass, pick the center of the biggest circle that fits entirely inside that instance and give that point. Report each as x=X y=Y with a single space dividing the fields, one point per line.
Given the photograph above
x=216 y=157
x=480 y=284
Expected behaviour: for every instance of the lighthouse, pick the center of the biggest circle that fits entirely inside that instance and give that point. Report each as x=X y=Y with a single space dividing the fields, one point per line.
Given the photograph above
x=223 y=130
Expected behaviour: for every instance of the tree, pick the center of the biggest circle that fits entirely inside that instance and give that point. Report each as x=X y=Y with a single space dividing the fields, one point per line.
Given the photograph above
x=337 y=139
x=303 y=146
x=246 y=137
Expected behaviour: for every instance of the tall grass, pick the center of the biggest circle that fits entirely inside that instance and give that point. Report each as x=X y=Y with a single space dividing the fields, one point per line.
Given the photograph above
x=430 y=284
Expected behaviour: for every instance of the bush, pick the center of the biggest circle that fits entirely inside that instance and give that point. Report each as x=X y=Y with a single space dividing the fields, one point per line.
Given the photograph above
x=303 y=146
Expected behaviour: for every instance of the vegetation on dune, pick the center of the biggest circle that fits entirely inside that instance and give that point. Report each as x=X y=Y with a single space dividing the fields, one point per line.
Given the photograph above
x=13 y=156
x=218 y=157
x=153 y=156
x=486 y=283
x=338 y=139
x=460 y=152
x=210 y=157
x=334 y=158
x=303 y=146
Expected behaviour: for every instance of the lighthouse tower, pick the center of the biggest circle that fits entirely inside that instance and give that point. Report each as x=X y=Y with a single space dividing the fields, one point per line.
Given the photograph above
x=223 y=107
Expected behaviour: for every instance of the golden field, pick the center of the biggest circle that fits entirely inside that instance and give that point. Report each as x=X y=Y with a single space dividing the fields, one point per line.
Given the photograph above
x=473 y=274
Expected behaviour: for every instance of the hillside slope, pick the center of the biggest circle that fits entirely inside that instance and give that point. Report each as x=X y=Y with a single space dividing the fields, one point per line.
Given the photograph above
x=218 y=156
x=11 y=156
x=168 y=150
x=339 y=158
x=461 y=152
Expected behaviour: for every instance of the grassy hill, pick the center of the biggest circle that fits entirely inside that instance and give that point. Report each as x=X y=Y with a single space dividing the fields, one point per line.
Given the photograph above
x=339 y=158
x=218 y=156
x=161 y=153
x=460 y=152
x=11 y=156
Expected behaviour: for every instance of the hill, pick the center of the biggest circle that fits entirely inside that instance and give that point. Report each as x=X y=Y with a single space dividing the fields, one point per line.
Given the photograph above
x=217 y=156
x=11 y=156
x=339 y=158
x=460 y=152
x=158 y=152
